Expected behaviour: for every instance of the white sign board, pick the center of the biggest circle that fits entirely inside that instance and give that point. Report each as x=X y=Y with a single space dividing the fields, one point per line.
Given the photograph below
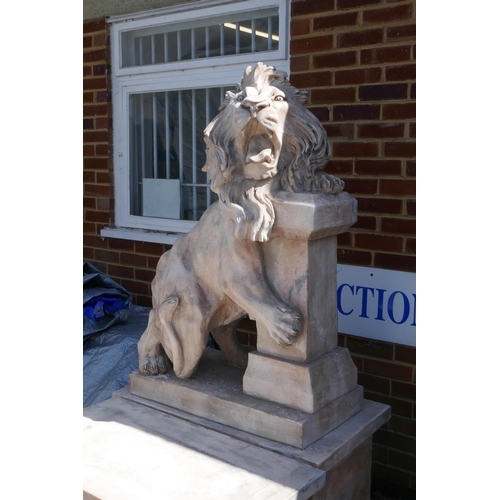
x=377 y=304
x=161 y=198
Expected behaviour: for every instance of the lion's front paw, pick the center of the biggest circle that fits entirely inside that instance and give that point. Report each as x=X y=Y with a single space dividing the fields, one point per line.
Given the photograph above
x=153 y=365
x=328 y=184
x=286 y=327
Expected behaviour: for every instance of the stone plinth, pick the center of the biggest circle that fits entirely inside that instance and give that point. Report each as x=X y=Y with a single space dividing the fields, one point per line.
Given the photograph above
x=215 y=392
x=301 y=265
x=135 y=448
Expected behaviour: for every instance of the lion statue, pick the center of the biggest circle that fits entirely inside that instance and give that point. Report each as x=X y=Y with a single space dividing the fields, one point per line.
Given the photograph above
x=263 y=141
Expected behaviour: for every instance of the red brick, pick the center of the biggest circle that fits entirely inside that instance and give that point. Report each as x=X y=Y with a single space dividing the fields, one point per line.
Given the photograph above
x=299 y=27
x=106 y=255
x=89 y=228
x=394 y=477
x=89 y=203
x=95 y=163
x=357 y=76
x=322 y=113
x=398 y=226
x=91 y=136
x=395 y=262
x=413 y=91
x=132 y=259
x=88 y=124
x=411 y=168
x=385 y=55
x=94 y=83
x=149 y=248
x=87 y=42
x=354 y=149
x=403 y=390
x=88 y=253
x=90 y=240
x=398 y=186
x=333 y=95
x=300 y=63
x=381 y=130
x=413 y=130
x=379 y=242
x=342 y=130
x=102 y=122
x=344 y=239
x=99 y=69
x=143 y=301
x=398 y=406
x=339 y=167
x=380 y=205
x=400 y=111
x=378 y=167
x=360 y=38
x=335 y=21
x=388 y=15
x=397 y=441
x=100 y=40
x=312 y=79
x=120 y=271
x=365 y=222
x=94 y=55
x=146 y=275
x=361 y=186
x=88 y=177
x=401 y=73
x=411 y=246
x=352 y=4
x=88 y=97
x=102 y=150
x=103 y=96
x=388 y=370
x=405 y=32
x=303 y=7
x=311 y=44
x=403 y=425
x=383 y=92
x=93 y=26
x=94 y=216
x=96 y=190
x=356 y=112
x=91 y=110
x=405 y=354
x=374 y=384
x=121 y=245
x=136 y=287
x=400 y=149
x=335 y=59
x=354 y=257
x=104 y=204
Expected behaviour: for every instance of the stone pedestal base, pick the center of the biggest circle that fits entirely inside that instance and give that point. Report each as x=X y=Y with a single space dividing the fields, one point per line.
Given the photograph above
x=307 y=387
x=135 y=448
x=215 y=392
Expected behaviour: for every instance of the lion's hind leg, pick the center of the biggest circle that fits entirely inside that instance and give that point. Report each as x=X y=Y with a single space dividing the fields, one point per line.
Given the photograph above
x=152 y=357
x=225 y=336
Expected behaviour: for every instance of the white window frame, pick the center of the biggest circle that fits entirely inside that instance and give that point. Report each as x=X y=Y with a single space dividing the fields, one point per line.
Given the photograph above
x=210 y=72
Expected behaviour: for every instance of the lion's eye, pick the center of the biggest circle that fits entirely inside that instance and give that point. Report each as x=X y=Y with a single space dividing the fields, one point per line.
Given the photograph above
x=279 y=98
x=240 y=97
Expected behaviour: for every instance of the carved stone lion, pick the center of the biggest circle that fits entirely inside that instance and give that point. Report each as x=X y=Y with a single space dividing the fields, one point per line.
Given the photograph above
x=263 y=140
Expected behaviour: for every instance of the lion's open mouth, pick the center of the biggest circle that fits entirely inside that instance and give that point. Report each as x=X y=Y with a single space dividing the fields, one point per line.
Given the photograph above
x=260 y=149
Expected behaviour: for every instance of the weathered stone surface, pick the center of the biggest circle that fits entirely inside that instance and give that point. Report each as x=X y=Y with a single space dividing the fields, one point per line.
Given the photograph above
x=132 y=452
x=215 y=392
x=304 y=386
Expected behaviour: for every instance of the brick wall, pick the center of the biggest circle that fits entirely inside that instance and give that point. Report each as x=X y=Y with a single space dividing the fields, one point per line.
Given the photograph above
x=357 y=59
x=131 y=263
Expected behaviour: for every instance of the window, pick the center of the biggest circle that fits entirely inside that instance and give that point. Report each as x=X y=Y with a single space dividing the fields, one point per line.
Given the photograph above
x=171 y=69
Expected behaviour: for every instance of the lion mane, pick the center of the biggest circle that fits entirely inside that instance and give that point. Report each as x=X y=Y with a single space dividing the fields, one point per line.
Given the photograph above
x=294 y=149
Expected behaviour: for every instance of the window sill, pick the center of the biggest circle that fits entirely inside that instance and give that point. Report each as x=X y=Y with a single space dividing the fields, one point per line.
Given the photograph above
x=140 y=235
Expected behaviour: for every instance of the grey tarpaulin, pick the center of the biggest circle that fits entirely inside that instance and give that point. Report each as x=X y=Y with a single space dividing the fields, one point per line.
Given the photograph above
x=110 y=356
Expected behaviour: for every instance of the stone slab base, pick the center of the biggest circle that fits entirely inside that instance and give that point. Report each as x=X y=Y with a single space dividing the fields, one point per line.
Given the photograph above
x=132 y=452
x=304 y=386
x=135 y=448
x=215 y=392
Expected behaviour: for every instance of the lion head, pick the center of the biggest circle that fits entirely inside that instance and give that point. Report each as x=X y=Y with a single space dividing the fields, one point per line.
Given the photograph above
x=263 y=140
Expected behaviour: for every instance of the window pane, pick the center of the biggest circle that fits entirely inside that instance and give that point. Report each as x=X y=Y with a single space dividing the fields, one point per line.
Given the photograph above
x=167 y=152
x=241 y=33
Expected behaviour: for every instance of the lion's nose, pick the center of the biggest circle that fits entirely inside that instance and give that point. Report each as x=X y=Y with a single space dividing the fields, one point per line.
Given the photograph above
x=255 y=104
